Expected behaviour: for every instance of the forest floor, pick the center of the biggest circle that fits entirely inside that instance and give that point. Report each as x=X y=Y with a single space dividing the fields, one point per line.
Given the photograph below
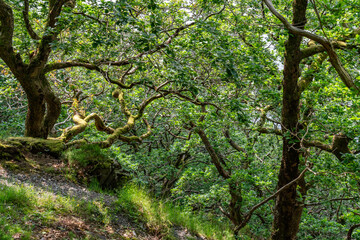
x=38 y=201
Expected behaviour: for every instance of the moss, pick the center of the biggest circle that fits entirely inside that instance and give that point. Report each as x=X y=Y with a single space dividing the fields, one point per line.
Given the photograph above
x=92 y=162
x=88 y=155
x=5 y=155
x=31 y=163
x=51 y=146
x=10 y=151
x=11 y=165
x=51 y=170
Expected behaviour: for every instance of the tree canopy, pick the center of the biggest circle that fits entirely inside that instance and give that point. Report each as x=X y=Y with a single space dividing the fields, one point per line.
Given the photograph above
x=247 y=110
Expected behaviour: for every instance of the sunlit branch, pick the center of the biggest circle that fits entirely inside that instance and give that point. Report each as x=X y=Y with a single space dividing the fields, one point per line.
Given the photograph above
x=315 y=49
x=338 y=147
x=314 y=68
x=119 y=94
x=269 y=131
x=81 y=124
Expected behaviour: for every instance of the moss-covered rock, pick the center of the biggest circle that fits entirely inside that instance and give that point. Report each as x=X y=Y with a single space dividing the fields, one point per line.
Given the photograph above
x=10 y=152
x=92 y=162
x=112 y=176
x=51 y=146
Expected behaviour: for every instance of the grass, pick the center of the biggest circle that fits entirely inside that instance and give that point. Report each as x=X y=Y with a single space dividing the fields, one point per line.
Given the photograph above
x=29 y=213
x=14 y=202
x=94 y=185
x=160 y=217
x=25 y=213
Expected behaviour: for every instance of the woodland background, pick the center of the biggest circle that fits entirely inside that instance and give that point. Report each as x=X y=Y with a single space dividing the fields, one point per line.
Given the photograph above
x=245 y=111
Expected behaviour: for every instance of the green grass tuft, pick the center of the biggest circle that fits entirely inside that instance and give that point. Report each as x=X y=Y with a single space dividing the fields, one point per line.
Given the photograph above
x=14 y=202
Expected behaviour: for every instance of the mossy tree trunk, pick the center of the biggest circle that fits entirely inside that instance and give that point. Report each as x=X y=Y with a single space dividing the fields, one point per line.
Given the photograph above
x=288 y=207
x=43 y=106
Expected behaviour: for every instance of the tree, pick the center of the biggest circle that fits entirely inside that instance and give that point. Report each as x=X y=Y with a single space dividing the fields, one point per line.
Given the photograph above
x=226 y=89
x=144 y=31
x=43 y=106
x=289 y=207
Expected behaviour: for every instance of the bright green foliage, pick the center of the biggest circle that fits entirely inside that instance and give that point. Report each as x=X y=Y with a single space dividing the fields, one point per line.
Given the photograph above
x=228 y=60
x=12 y=105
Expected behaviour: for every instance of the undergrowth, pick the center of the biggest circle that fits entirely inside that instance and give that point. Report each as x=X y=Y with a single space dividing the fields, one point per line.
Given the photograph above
x=25 y=211
x=85 y=155
x=161 y=217
x=14 y=202
x=85 y=163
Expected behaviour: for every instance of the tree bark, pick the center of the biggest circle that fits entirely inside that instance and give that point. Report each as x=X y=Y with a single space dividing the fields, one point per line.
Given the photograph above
x=235 y=205
x=43 y=106
x=288 y=207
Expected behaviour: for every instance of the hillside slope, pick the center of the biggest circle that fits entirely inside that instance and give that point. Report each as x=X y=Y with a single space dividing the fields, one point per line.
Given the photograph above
x=37 y=201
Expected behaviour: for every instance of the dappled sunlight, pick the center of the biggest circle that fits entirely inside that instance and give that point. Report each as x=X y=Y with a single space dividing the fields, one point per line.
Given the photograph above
x=179 y=119
x=163 y=218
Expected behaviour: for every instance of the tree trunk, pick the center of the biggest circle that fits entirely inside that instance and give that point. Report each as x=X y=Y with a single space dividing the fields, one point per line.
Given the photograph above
x=235 y=205
x=43 y=107
x=53 y=108
x=288 y=208
x=35 y=115
x=235 y=211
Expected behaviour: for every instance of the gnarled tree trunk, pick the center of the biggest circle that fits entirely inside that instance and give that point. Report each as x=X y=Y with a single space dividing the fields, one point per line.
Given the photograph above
x=43 y=106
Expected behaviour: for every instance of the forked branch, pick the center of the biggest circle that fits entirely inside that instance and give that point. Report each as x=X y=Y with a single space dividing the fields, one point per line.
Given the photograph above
x=334 y=58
